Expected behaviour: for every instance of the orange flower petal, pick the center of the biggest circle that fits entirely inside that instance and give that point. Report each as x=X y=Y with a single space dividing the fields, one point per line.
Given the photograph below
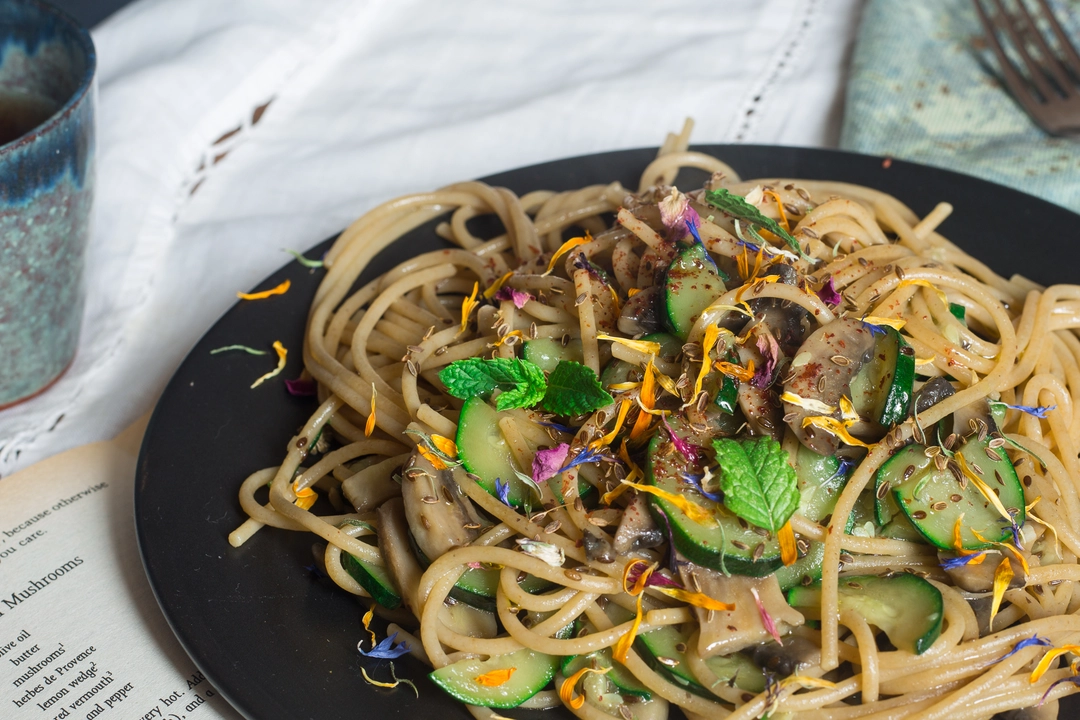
x=279 y=290
x=495 y=678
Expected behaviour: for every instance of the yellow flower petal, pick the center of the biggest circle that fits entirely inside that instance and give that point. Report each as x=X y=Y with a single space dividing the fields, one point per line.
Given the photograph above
x=497 y=285
x=282 y=353
x=736 y=372
x=646 y=347
x=694 y=598
x=279 y=290
x=789 y=551
x=692 y=510
x=1049 y=658
x=468 y=305
x=834 y=427
x=1002 y=577
x=733 y=308
x=445 y=445
x=624 y=408
x=983 y=488
x=431 y=457
x=848 y=415
x=513 y=333
x=712 y=334
x=369 y=426
x=565 y=248
x=305 y=497
x=566 y=690
x=622 y=647
x=894 y=323
x=808 y=403
x=926 y=284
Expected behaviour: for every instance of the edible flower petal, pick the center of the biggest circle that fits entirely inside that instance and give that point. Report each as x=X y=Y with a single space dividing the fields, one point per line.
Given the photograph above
x=366 y=620
x=673 y=208
x=547 y=463
x=736 y=372
x=789 y=551
x=1048 y=660
x=646 y=347
x=712 y=334
x=565 y=248
x=369 y=424
x=300 y=387
x=602 y=442
x=926 y=284
x=277 y=290
x=622 y=647
x=502 y=491
x=497 y=285
x=646 y=399
x=1039 y=411
x=467 y=306
x=959 y=561
x=244 y=348
x=696 y=599
x=983 y=488
x=687 y=450
x=518 y=297
x=827 y=293
x=692 y=510
x=282 y=353
x=566 y=690
x=808 y=403
x=766 y=618
x=1003 y=575
x=397 y=681
x=848 y=414
x=551 y=554
x=386 y=649
x=495 y=678
x=834 y=427
x=698 y=482
x=305 y=497
x=1026 y=642
x=874 y=324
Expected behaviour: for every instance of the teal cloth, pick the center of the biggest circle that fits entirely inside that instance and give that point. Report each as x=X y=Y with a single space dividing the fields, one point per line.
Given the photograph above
x=924 y=87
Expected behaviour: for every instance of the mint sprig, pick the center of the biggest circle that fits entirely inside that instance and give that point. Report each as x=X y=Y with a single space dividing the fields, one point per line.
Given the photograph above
x=758 y=483
x=521 y=381
x=737 y=207
x=574 y=389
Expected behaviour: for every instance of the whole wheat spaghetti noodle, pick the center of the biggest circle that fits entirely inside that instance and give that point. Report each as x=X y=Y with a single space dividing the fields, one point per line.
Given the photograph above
x=767 y=447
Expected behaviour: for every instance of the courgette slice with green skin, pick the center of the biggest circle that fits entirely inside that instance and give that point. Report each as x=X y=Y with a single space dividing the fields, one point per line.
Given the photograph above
x=819 y=481
x=691 y=284
x=619 y=371
x=933 y=500
x=622 y=678
x=727 y=396
x=670 y=346
x=532 y=671
x=372 y=578
x=731 y=545
x=804 y=570
x=485 y=453
x=905 y=607
x=661 y=650
x=883 y=387
x=547 y=353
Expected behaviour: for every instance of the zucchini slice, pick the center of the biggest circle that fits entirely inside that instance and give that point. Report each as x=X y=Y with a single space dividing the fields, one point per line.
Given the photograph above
x=691 y=284
x=933 y=499
x=546 y=353
x=883 y=387
x=529 y=672
x=820 y=483
x=372 y=578
x=485 y=453
x=622 y=678
x=804 y=570
x=908 y=609
x=732 y=544
x=664 y=650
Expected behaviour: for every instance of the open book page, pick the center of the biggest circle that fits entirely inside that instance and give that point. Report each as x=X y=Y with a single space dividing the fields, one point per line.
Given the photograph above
x=81 y=635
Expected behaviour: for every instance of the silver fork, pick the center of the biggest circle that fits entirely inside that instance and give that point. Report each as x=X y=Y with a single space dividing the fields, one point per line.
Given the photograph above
x=1047 y=84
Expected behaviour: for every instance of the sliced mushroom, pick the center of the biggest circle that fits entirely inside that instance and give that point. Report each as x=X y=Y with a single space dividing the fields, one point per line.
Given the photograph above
x=760 y=407
x=790 y=323
x=980 y=578
x=439 y=516
x=637 y=530
x=787 y=659
x=825 y=379
x=641 y=314
x=726 y=631
x=597 y=547
x=932 y=392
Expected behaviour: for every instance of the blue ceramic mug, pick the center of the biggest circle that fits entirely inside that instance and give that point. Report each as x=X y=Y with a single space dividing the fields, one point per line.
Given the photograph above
x=47 y=98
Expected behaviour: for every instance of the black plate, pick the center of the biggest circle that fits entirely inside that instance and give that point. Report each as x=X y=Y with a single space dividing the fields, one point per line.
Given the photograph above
x=280 y=643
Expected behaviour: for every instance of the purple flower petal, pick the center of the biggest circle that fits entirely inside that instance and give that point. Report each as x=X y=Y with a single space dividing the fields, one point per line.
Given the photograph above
x=548 y=463
x=687 y=450
x=300 y=387
x=583 y=457
x=828 y=294
x=1039 y=412
x=959 y=561
x=502 y=491
x=386 y=649
x=695 y=480
x=1026 y=642
x=518 y=297
x=770 y=351
x=561 y=428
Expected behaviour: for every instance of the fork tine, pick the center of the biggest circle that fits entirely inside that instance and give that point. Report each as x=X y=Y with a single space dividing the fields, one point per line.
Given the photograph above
x=1020 y=89
x=1052 y=62
x=1008 y=25
x=1072 y=58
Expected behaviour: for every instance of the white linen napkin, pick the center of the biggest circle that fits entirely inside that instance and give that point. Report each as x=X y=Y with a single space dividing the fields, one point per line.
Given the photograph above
x=228 y=131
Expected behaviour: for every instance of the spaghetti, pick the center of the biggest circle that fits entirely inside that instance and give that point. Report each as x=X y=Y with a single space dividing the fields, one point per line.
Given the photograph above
x=771 y=447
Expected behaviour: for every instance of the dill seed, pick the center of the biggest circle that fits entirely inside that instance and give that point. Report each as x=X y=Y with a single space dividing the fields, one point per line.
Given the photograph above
x=899 y=272
x=533 y=331
x=511 y=341
x=791 y=209
x=806 y=581
x=472 y=526
x=883 y=490
x=415 y=349
x=790 y=417
x=743 y=524
x=854 y=585
x=502 y=328
x=864 y=262
x=580 y=299
x=956 y=473
x=802 y=545
x=810 y=233
x=840 y=360
x=1027 y=481
x=766 y=423
x=940 y=461
x=412 y=368
x=803 y=194
x=425 y=522
x=997 y=476
x=572 y=574
x=578 y=506
x=670 y=662
x=301 y=442
x=759 y=552
x=740 y=545
x=429 y=499
x=993 y=454
x=917 y=434
x=932 y=451
x=939 y=505
x=624 y=712
x=702 y=401
x=918 y=515
x=950 y=441
x=846 y=558
x=956 y=497
x=762 y=532
x=1037 y=589
x=441 y=350
x=681 y=647
x=565 y=340
x=978 y=470
x=821 y=384
x=996 y=443
x=447 y=498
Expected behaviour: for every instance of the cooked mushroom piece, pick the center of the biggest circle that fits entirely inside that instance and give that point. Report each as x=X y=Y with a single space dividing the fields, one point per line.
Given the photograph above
x=825 y=379
x=788 y=322
x=637 y=530
x=979 y=578
x=784 y=660
x=932 y=392
x=439 y=516
x=641 y=314
x=597 y=546
x=726 y=631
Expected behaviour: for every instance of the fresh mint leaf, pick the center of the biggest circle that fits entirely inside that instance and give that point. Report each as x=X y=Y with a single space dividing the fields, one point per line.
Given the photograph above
x=521 y=381
x=758 y=483
x=737 y=207
x=574 y=389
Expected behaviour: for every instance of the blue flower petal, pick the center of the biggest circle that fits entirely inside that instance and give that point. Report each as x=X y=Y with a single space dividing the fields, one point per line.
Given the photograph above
x=386 y=649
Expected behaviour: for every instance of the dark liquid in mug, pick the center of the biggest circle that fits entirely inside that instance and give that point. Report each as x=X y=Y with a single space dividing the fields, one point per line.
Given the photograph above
x=21 y=112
